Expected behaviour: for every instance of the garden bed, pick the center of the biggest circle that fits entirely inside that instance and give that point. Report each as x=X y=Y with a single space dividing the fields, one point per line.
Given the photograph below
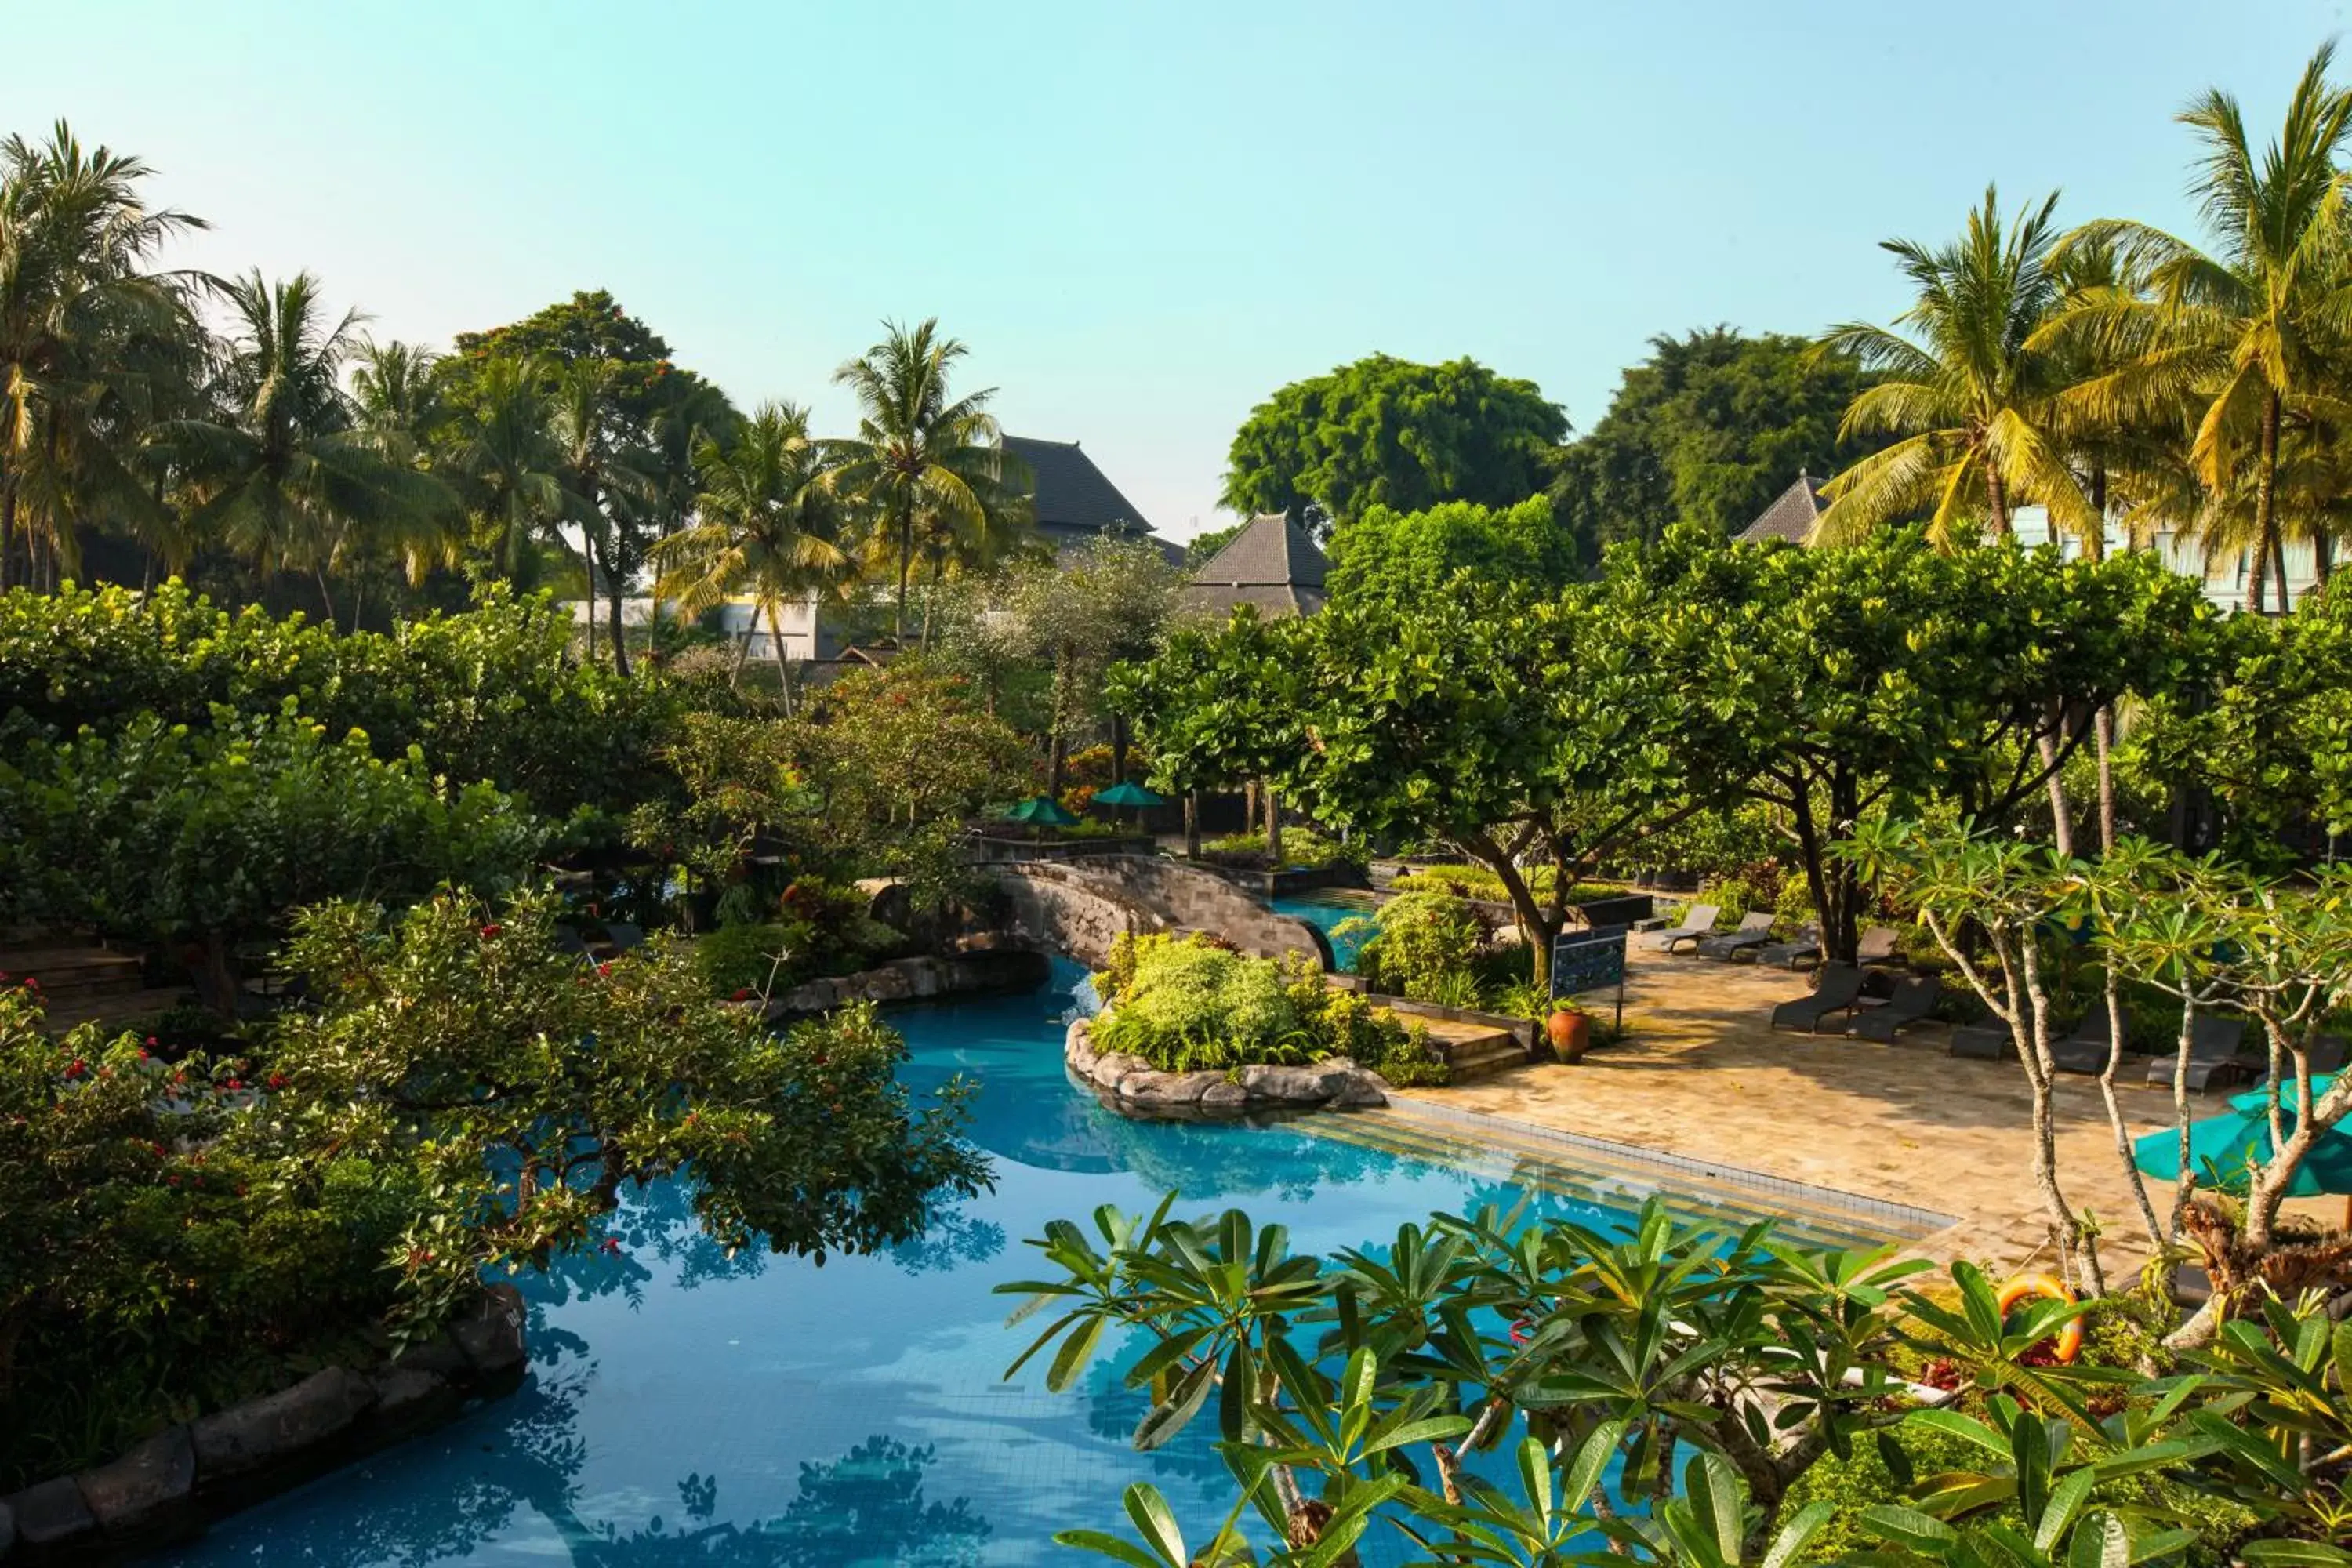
x=1133 y=1087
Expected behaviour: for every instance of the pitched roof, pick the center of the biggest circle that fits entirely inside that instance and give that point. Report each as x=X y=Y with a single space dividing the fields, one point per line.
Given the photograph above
x=1791 y=516
x=1270 y=564
x=1071 y=492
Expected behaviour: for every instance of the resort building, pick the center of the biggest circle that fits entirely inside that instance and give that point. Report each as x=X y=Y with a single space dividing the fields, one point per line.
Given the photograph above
x=2227 y=576
x=1270 y=564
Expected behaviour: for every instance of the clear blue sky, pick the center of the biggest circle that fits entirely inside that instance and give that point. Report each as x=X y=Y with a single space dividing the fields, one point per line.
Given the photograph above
x=1142 y=219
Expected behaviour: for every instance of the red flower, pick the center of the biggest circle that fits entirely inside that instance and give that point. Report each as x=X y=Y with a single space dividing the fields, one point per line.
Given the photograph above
x=77 y=1067
x=742 y=993
x=233 y=1083
x=612 y=1244
x=492 y=929
x=278 y=1080
x=173 y=1180
x=31 y=984
x=605 y=968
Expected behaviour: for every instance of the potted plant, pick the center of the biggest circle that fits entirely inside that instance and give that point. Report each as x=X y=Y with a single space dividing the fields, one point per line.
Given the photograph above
x=1570 y=1030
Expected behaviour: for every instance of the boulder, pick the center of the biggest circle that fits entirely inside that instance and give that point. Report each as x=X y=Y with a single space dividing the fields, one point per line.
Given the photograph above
x=1149 y=1089
x=1113 y=1067
x=281 y=1426
x=438 y=1356
x=889 y=984
x=1225 y=1097
x=923 y=977
x=1285 y=1085
x=1357 y=1088
x=404 y=1395
x=51 y=1514
x=490 y=1331
x=144 y=1487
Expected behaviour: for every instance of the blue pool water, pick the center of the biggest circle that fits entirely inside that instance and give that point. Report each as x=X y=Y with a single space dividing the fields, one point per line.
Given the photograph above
x=1327 y=909
x=682 y=1406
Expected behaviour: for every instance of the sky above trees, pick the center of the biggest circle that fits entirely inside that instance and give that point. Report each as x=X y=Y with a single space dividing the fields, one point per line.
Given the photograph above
x=1143 y=221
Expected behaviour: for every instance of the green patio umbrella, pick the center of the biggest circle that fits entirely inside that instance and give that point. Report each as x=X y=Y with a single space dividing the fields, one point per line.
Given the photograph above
x=1041 y=810
x=2225 y=1144
x=1130 y=794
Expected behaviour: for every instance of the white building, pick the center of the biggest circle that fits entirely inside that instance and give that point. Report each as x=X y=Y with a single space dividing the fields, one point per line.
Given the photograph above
x=2227 y=578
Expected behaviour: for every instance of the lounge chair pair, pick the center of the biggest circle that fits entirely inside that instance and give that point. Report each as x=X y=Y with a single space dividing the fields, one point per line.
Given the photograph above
x=1913 y=1000
x=2084 y=1052
x=1699 y=921
x=1875 y=948
x=1839 y=990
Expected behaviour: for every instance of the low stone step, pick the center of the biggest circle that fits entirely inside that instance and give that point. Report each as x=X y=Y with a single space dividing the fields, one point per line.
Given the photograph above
x=66 y=973
x=1478 y=1056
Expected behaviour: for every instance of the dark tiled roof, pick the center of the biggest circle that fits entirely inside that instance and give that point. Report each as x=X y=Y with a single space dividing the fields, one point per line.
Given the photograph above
x=1270 y=564
x=1791 y=516
x=1071 y=491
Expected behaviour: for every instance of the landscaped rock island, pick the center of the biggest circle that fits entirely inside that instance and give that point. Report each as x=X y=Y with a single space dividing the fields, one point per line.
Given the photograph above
x=1133 y=1087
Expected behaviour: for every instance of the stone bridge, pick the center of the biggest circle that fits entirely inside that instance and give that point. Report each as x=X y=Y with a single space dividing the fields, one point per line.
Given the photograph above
x=1081 y=907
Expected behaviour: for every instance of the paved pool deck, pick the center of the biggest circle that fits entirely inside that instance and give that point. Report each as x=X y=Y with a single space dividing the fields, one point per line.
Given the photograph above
x=1704 y=1076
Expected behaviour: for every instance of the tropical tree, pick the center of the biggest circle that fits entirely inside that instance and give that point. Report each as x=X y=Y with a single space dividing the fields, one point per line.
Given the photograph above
x=507 y=461
x=923 y=462
x=1965 y=389
x=90 y=336
x=2251 y=335
x=767 y=525
x=283 y=473
x=601 y=486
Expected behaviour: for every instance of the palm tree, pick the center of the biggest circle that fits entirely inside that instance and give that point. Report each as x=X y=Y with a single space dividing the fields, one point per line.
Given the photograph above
x=598 y=483
x=2251 y=335
x=767 y=524
x=1965 y=389
x=921 y=461
x=401 y=391
x=90 y=341
x=283 y=473
x=507 y=461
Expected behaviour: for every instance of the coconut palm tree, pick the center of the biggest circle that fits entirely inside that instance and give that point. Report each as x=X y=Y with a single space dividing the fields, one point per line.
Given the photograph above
x=283 y=473
x=921 y=461
x=2255 y=333
x=767 y=524
x=90 y=341
x=600 y=483
x=506 y=461
x=1964 y=389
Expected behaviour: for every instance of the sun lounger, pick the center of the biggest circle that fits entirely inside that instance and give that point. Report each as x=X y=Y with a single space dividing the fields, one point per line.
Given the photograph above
x=623 y=936
x=2085 y=1049
x=1755 y=930
x=1913 y=1000
x=1837 y=990
x=1877 y=946
x=1985 y=1042
x=2215 y=1052
x=1697 y=921
x=1801 y=953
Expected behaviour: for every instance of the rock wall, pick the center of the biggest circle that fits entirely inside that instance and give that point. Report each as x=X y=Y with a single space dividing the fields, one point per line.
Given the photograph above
x=1080 y=908
x=912 y=979
x=1133 y=1087
x=165 y=1488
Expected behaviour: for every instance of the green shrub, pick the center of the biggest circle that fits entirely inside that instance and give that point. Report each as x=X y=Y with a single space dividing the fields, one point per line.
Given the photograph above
x=1863 y=1482
x=1301 y=847
x=1425 y=940
x=1187 y=1004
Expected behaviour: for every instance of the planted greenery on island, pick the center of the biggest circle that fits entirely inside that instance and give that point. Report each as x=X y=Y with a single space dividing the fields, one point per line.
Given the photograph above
x=1184 y=1003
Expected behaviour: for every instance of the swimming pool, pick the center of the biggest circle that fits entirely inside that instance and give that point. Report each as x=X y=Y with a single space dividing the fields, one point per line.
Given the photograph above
x=683 y=1407
x=1327 y=909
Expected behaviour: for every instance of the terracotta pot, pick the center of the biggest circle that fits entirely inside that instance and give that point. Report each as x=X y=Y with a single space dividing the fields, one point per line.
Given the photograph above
x=1570 y=1034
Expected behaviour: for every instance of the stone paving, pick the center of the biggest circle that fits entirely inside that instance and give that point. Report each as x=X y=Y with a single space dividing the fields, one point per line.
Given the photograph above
x=1702 y=1075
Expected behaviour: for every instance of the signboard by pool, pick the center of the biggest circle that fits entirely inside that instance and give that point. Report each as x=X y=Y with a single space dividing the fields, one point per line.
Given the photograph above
x=1588 y=959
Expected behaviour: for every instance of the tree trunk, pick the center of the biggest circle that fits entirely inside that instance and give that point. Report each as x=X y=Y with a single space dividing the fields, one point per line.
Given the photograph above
x=326 y=599
x=1117 y=748
x=2278 y=564
x=2062 y=819
x=784 y=671
x=1273 y=829
x=588 y=550
x=742 y=654
x=7 y=525
x=1192 y=825
x=1997 y=496
x=219 y=976
x=906 y=566
x=614 y=590
x=2265 y=503
x=2323 y=556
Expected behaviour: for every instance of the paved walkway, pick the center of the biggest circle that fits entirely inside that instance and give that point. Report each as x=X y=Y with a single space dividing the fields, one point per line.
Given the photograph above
x=1703 y=1076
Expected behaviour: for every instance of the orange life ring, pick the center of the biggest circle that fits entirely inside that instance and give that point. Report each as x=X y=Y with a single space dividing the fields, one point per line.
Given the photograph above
x=2070 y=1338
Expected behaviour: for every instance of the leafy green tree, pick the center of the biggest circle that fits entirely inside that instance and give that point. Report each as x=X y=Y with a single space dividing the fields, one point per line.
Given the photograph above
x=2252 y=334
x=1708 y=430
x=93 y=343
x=504 y=458
x=1414 y=554
x=1108 y=601
x=1388 y=432
x=600 y=483
x=457 y=1028
x=924 y=465
x=767 y=524
x=900 y=747
x=1966 y=384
